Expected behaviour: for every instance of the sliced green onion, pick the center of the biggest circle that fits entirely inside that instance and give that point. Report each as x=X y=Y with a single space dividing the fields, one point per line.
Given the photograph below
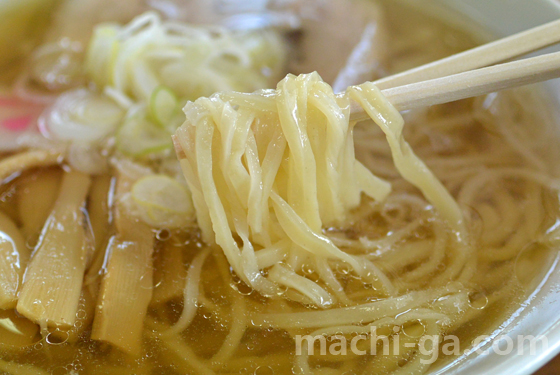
x=162 y=202
x=139 y=137
x=144 y=80
x=190 y=61
x=163 y=106
x=101 y=54
x=82 y=115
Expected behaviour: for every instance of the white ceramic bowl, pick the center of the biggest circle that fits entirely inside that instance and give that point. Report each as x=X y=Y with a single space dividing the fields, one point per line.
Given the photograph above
x=540 y=314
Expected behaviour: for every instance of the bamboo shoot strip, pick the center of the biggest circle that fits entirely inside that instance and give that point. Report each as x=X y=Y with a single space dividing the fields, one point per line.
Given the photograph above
x=14 y=256
x=100 y=206
x=53 y=280
x=127 y=286
x=84 y=317
x=99 y=212
x=36 y=196
x=15 y=165
x=126 y=291
x=171 y=272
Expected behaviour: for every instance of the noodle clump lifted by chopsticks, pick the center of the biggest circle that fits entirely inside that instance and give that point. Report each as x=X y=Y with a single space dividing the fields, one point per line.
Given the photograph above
x=268 y=171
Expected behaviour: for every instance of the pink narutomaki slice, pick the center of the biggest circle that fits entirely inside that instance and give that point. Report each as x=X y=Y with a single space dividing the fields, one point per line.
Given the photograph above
x=18 y=124
x=17 y=115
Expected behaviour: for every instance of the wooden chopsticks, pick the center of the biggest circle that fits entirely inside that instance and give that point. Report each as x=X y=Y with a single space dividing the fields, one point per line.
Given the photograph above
x=488 y=54
x=468 y=84
x=467 y=74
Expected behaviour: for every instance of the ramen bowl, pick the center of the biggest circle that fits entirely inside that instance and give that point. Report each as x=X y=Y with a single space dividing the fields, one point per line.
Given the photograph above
x=518 y=341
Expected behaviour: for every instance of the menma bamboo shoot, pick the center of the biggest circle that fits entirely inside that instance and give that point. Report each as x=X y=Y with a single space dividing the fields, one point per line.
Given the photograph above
x=35 y=199
x=126 y=291
x=53 y=280
x=100 y=202
x=170 y=272
x=127 y=285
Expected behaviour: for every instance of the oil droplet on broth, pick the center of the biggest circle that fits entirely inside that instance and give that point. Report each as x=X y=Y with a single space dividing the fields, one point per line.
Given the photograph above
x=239 y=286
x=306 y=269
x=264 y=370
x=478 y=300
x=57 y=337
x=163 y=235
x=32 y=242
x=343 y=268
x=143 y=282
x=81 y=314
x=282 y=291
x=413 y=329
